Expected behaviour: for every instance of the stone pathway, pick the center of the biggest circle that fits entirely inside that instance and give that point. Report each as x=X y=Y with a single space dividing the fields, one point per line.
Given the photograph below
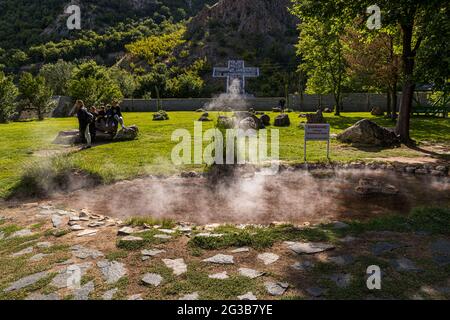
x=220 y=259
x=112 y=271
x=177 y=265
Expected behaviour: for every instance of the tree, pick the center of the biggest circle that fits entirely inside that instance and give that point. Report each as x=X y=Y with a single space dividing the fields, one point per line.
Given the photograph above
x=374 y=62
x=320 y=47
x=8 y=95
x=418 y=21
x=125 y=80
x=93 y=84
x=57 y=76
x=35 y=95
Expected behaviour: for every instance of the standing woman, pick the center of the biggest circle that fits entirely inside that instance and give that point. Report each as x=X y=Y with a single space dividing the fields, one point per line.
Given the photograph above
x=84 y=120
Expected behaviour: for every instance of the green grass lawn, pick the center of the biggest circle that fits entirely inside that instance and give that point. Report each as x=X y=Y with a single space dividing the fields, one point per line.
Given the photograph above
x=24 y=143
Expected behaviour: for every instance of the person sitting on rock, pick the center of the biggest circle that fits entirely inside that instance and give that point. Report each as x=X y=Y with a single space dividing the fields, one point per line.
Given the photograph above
x=85 y=119
x=117 y=115
x=109 y=116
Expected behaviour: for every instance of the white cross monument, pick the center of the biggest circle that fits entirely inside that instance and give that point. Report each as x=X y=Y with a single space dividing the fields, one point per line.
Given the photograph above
x=236 y=70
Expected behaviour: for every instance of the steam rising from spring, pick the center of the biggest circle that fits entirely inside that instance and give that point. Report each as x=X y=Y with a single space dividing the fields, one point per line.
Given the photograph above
x=233 y=99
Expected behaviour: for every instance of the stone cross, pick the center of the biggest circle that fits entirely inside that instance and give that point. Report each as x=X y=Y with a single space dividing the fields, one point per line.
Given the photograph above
x=236 y=70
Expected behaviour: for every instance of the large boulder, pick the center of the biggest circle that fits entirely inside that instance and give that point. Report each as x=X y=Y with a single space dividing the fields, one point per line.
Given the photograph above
x=368 y=133
x=128 y=133
x=377 y=111
x=265 y=119
x=373 y=187
x=204 y=117
x=282 y=120
x=251 y=123
x=160 y=116
x=315 y=118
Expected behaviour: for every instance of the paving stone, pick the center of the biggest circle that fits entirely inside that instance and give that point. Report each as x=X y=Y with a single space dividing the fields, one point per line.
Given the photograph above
x=44 y=244
x=58 y=221
x=441 y=247
x=109 y=295
x=135 y=297
x=184 y=229
x=338 y=225
x=76 y=227
x=22 y=233
x=240 y=250
x=276 y=288
x=380 y=248
x=303 y=266
x=70 y=275
x=152 y=253
x=189 y=297
x=84 y=292
x=268 y=258
x=43 y=297
x=131 y=239
x=220 y=259
x=162 y=236
x=168 y=231
x=316 y=291
x=23 y=252
x=87 y=233
x=152 y=279
x=342 y=280
x=309 y=247
x=112 y=271
x=177 y=265
x=404 y=265
x=250 y=273
x=247 y=296
x=26 y=281
x=209 y=235
x=84 y=253
x=125 y=231
x=219 y=276
x=38 y=257
x=96 y=224
x=343 y=260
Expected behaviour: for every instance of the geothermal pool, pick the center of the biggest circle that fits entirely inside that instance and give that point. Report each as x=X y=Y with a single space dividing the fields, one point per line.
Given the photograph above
x=294 y=196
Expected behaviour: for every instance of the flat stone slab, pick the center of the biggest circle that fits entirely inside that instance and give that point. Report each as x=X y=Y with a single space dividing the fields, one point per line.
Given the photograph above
x=342 y=280
x=58 y=221
x=167 y=231
x=380 y=248
x=125 y=231
x=76 y=227
x=250 y=273
x=70 y=275
x=177 y=265
x=240 y=250
x=109 y=295
x=38 y=257
x=44 y=244
x=43 y=297
x=247 y=296
x=220 y=259
x=152 y=279
x=23 y=252
x=268 y=258
x=26 y=281
x=209 y=235
x=112 y=271
x=135 y=297
x=131 y=239
x=87 y=233
x=162 y=236
x=404 y=265
x=219 y=276
x=316 y=291
x=343 y=260
x=152 y=253
x=303 y=265
x=441 y=252
x=84 y=292
x=276 y=288
x=190 y=297
x=309 y=247
x=83 y=253
x=22 y=233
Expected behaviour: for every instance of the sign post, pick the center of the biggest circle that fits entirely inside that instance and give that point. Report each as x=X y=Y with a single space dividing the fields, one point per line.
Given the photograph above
x=317 y=132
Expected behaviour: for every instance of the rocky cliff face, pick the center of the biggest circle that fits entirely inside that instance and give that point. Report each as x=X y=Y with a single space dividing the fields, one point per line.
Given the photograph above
x=248 y=16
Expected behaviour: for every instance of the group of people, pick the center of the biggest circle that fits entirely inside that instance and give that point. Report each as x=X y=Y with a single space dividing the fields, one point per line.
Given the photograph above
x=105 y=118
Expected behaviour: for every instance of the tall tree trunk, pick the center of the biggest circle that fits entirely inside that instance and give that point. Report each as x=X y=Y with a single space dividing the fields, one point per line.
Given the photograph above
x=388 y=104
x=394 y=100
x=403 y=123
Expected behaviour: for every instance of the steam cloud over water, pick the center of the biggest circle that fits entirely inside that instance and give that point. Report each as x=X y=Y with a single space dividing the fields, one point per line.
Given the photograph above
x=233 y=99
x=296 y=197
